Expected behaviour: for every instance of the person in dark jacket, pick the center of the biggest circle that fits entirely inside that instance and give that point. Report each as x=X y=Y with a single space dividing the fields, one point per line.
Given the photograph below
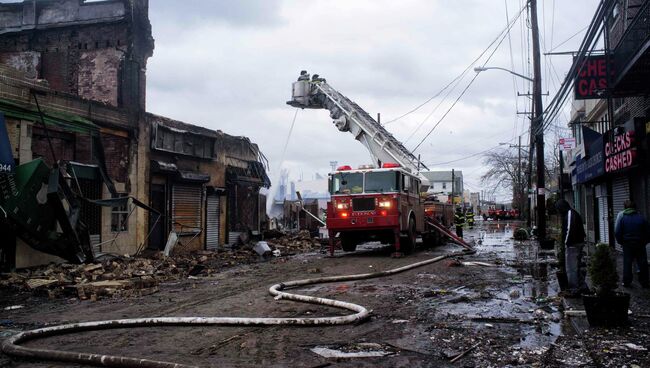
x=573 y=236
x=459 y=221
x=633 y=233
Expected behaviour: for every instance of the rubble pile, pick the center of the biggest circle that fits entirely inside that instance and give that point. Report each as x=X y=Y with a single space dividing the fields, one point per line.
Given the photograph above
x=295 y=243
x=124 y=276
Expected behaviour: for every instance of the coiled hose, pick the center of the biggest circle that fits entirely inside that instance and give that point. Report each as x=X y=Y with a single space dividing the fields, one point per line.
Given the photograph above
x=12 y=346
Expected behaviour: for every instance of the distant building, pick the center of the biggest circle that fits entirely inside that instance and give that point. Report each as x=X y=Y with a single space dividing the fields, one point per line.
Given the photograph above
x=441 y=183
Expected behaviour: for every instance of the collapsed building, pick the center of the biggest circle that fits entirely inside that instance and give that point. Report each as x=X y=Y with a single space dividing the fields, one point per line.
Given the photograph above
x=73 y=92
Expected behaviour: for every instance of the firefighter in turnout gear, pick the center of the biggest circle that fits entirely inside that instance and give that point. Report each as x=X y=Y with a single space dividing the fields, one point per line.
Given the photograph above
x=459 y=221
x=470 y=218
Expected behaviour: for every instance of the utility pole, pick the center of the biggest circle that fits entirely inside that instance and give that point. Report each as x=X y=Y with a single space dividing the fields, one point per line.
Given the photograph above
x=453 y=181
x=538 y=124
x=520 y=201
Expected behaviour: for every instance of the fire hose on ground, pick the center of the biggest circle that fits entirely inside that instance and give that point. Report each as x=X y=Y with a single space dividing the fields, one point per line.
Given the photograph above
x=12 y=346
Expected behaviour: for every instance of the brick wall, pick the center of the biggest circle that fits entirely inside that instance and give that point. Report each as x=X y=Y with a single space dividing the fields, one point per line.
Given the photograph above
x=62 y=143
x=86 y=59
x=116 y=149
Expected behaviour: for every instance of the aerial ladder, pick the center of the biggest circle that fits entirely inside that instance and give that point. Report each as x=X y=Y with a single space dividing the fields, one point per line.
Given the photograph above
x=316 y=93
x=395 y=215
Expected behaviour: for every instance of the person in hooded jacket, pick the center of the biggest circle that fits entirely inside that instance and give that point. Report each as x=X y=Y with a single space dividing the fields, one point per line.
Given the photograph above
x=633 y=233
x=573 y=236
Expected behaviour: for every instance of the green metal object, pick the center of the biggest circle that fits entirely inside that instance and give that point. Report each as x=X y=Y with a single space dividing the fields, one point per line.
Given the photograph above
x=44 y=213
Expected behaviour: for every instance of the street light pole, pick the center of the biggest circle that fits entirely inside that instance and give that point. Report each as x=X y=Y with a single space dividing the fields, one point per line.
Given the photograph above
x=538 y=124
x=479 y=69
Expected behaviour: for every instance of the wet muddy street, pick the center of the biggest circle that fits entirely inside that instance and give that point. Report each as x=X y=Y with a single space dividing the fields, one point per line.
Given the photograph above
x=499 y=307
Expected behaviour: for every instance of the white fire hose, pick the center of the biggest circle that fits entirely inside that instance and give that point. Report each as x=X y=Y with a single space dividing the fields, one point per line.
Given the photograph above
x=12 y=346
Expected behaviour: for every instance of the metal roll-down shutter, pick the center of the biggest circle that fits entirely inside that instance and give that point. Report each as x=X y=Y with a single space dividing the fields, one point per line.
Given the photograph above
x=212 y=221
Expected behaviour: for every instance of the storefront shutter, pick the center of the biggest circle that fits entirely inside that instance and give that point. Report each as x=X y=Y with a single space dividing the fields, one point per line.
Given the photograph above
x=186 y=208
x=603 y=224
x=212 y=222
x=620 y=193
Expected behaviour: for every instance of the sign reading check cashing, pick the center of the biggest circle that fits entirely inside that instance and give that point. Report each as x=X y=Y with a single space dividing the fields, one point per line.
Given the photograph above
x=567 y=144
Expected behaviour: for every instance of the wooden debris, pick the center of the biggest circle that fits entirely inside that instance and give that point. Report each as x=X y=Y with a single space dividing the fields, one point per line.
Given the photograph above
x=464 y=353
x=38 y=283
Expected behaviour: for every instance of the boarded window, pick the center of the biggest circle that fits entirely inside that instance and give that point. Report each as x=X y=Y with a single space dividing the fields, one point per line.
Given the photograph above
x=185 y=143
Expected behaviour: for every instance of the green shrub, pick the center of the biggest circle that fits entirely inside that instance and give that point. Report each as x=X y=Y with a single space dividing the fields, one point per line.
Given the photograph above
x=520 y=234
x=602 y=270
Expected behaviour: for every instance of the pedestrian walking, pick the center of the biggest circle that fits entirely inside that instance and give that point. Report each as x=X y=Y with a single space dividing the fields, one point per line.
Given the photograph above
x=459 y=221
x=573 y=235
x=633 y=233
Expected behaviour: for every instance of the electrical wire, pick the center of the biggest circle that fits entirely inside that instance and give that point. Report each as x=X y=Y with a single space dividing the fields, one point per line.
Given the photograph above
x=503 y=34
x=460 y=75
x=595 y=29
x=568 y=39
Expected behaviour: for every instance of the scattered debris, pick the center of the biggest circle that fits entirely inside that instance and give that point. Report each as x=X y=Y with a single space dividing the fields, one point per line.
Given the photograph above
x=293 y=243
x=464 y=353
x=14 y=307
x=136 y=276
x=636 y=347
x=360 y=350
x=474 y=263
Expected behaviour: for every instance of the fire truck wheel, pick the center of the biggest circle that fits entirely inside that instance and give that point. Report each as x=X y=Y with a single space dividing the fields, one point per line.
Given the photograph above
x=348 y=243
x=407 y=243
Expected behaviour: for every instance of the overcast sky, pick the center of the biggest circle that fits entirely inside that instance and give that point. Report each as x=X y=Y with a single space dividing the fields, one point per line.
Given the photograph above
x=229 y=65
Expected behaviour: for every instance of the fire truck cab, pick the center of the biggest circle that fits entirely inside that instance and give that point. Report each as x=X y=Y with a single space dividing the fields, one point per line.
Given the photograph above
x=375 y=204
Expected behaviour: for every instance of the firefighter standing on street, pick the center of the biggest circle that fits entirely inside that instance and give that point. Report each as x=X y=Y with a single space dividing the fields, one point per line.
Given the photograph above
x=459 y=221
x=470 y=218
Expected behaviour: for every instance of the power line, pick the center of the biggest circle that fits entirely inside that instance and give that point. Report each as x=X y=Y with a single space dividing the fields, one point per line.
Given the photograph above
x=457 y=77
x=568 y=39
x=586 y=47
x=470 y=82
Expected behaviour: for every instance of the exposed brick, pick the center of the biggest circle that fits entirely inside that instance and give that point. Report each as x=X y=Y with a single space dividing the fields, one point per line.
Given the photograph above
x=98 y=75
x=28 y=62
x=55 y=71
x=117 y=156
x=62 y=143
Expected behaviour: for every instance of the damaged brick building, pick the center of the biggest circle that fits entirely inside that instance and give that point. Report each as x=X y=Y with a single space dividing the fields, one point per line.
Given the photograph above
x=80 y=68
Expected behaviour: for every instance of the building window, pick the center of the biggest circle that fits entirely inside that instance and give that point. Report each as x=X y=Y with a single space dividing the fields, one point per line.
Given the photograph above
x=444 y=185
x=119 y=216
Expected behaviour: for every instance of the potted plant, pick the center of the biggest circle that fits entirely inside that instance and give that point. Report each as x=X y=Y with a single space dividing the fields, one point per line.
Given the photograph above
x=561 y=266
x=605 y=307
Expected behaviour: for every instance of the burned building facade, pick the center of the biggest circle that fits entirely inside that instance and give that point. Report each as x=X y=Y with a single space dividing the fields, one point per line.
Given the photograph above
x=96 y=50
x=73 y=92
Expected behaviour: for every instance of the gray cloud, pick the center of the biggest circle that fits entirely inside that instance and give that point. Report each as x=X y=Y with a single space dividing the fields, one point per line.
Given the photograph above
x=229 y=65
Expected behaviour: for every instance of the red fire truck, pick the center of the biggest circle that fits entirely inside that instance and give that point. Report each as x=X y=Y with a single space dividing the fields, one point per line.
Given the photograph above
x=381 y=201
x=381 y=204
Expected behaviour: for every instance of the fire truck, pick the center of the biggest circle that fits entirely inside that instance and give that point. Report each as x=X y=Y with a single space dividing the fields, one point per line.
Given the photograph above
x=377 y=202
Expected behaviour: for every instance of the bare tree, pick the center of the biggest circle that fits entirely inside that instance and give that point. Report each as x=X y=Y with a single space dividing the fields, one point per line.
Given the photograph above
x=503 y=172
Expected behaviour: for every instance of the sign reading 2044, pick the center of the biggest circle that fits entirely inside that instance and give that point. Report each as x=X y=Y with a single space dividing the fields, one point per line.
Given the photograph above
x=6 y=155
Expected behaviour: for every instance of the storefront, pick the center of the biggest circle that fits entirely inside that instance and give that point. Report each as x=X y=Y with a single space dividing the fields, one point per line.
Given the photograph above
x=626 y=174
x=591 y=188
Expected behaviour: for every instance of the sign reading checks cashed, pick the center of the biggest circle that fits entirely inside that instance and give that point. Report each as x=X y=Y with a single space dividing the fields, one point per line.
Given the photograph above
x=620 y=148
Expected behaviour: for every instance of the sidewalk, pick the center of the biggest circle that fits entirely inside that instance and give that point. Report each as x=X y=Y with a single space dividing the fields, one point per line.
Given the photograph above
x=618 y=346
